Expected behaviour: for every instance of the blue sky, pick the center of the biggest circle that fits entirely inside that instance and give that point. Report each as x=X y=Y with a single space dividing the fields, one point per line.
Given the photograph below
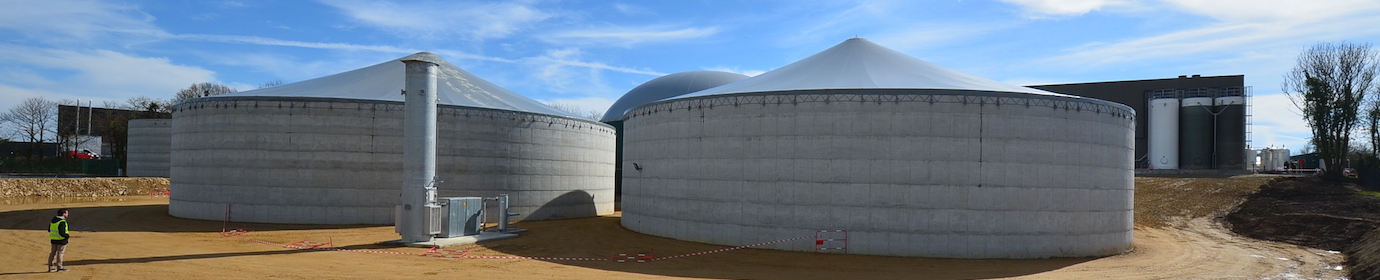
x=588 y=53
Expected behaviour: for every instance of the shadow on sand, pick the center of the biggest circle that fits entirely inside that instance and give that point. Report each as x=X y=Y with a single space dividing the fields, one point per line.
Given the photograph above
x=599 y=238
x=136 y=218
x=603 y=237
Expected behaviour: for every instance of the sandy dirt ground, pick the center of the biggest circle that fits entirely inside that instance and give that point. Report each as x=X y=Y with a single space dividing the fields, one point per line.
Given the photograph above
x=1178 y=236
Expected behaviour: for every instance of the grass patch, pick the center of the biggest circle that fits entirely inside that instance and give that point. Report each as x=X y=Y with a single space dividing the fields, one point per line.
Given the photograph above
x=1371 y=193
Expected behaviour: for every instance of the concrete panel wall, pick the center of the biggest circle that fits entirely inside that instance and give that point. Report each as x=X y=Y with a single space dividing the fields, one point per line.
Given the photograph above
x=149 y=147
x=951 y=179
x=323 y=162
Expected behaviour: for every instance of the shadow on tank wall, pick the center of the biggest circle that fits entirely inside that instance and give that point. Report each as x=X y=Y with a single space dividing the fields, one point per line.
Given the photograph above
x=573 y=204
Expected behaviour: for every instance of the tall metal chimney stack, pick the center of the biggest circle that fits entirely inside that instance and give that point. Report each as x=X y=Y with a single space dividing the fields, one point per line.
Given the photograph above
x=419 y=147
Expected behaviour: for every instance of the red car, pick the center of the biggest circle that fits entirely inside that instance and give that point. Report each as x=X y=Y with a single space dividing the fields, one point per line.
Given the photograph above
x=83 y=154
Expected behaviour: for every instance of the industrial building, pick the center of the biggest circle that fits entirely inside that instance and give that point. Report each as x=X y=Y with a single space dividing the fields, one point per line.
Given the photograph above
x=329 y=151
x=657 y=89
x=911 y=158
x=1190 y=122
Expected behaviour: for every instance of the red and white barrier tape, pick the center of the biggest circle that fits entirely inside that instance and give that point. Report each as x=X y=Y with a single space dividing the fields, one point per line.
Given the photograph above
x=731 y=249
x=538 y=258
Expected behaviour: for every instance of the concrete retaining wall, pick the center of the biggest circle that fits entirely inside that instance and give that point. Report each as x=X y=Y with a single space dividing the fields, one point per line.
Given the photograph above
x=339 y=162
x=942 y=175
x=149 y=147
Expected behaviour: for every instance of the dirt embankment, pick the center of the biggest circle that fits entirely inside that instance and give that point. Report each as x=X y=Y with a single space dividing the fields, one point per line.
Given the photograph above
x=78 y=187
x=1307 y=211
x=1315 y=213
x=1164 y=202
x=1364 y=257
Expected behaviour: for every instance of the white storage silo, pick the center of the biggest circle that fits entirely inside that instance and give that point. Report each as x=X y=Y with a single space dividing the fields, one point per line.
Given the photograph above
x=329 y=151
x=148 y=148
x=1252 y=160
x=1164 y=130
x=911 y=158
x=1273 y=159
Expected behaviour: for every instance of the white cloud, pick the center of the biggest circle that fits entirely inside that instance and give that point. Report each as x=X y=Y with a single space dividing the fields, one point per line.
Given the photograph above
x=922 y=36
x=1063 y=7
x=556 y=75
x=1277 y=122
x=435 y=20
x=103 y=75
x=1243 y=26
x=570 y=57
x=627 y=9
x=1274 y=10
x=75 y=21
x=627 y=37
x=585 y=104
x=287 y=43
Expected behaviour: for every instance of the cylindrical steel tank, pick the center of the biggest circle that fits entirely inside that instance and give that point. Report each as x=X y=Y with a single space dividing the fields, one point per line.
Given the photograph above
x=910 y=158
x=149 y=147
x=1164 y=131
x=329 y=151
x=1252 y=160
x=1230 y=134
x=1273 y=159
x=1195 y=133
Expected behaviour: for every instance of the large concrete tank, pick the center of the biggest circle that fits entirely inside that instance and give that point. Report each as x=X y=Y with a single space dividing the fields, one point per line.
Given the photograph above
x=1195 y=132
x=329 y=151
x=910 y=158
x=657 y=89
x=668 y=86
x=149 y=147
x=1230 y=133
x=1164 y=131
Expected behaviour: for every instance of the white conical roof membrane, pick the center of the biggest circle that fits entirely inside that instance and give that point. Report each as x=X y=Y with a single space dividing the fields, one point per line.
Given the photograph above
x=668 y=86
x=385 y=81
x=861 y=64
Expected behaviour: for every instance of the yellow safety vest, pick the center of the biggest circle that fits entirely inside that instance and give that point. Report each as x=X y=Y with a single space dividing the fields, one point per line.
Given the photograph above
x=53 y=230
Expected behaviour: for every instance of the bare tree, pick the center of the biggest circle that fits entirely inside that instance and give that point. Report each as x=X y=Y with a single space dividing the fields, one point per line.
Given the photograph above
x=594 y=115
x=115 y=124
x=199 y=90
x=272 y=83
x=575 y=109
x=1328 y=85
x=34 y=120
x=142 y=104
x=1372 y=121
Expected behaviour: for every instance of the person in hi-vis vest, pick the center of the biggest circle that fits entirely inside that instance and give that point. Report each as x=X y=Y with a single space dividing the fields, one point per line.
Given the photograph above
x=58 y=234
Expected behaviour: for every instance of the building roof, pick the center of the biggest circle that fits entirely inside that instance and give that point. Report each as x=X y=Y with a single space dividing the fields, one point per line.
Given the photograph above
x=385 y=82
x=668 y=86
x=861 y=64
